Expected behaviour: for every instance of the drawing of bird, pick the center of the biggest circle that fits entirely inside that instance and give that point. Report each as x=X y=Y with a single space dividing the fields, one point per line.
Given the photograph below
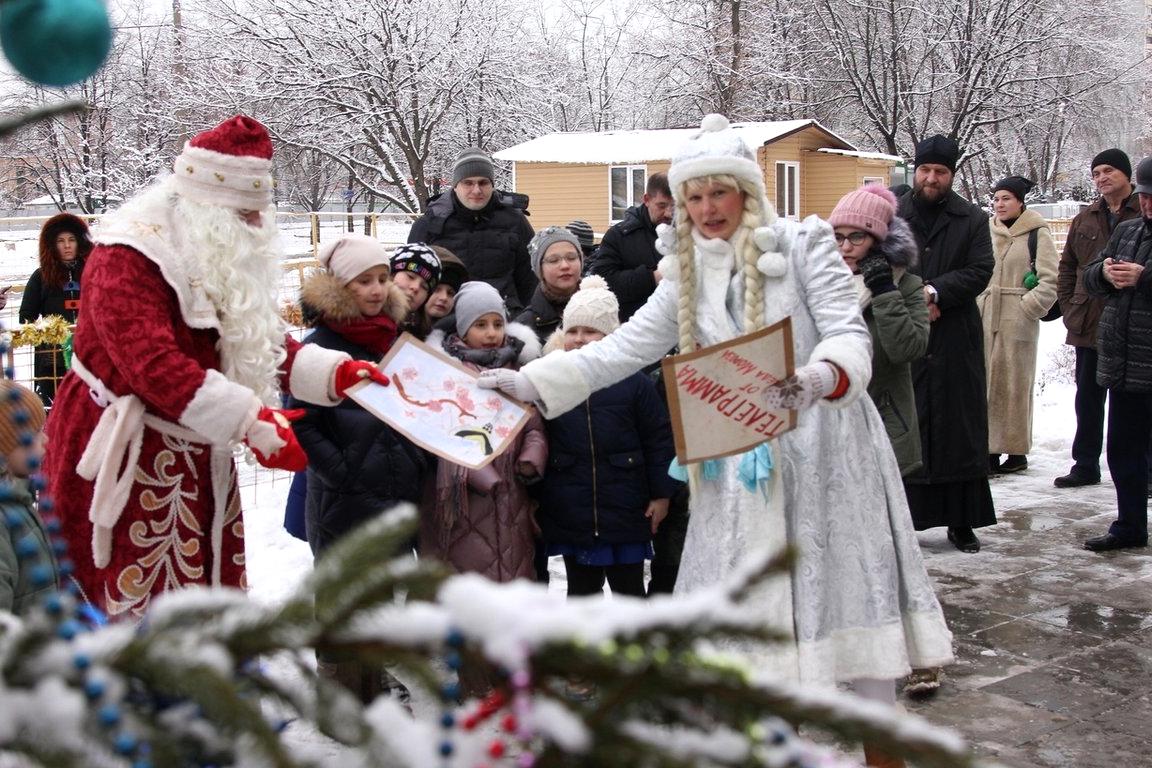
x=480 y=435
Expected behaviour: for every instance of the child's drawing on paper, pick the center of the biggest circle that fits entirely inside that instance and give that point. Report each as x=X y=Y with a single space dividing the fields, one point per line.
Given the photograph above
x=436 y=403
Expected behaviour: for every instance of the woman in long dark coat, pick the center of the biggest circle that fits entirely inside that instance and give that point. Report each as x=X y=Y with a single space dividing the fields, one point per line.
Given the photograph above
x=54 y=289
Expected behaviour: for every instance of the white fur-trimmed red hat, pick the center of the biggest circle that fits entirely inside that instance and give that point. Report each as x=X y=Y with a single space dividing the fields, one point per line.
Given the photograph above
x=716 y=149
x=229 y=165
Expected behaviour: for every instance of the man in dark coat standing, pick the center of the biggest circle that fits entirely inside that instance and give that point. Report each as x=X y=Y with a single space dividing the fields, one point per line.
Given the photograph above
x=627 y=257
x=1124 y=366
x=1087 y=236
x=486 y=228
x=951 y=391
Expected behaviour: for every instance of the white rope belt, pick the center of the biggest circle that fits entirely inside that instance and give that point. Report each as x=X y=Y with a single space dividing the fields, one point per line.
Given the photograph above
x=111 y=456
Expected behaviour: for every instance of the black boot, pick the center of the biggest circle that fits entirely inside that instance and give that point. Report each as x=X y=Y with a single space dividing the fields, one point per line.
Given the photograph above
x=993 y=464
x=964 y=539
x=1014 y=463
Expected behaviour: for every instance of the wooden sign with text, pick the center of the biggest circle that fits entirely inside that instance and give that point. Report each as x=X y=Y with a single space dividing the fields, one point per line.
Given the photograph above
x=715 y=394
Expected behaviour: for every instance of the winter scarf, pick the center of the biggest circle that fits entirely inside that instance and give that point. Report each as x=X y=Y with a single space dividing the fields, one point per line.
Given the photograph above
x=376 y=334
x=502 y=357
x=557 y=298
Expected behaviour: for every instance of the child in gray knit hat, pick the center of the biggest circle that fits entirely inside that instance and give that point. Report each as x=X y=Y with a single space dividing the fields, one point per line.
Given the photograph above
x=480 y=520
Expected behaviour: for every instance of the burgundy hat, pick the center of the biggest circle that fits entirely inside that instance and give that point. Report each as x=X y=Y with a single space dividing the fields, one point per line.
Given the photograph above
x=229 y=165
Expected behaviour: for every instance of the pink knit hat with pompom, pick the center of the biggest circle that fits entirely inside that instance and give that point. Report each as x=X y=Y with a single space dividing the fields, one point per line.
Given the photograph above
x=869 y=209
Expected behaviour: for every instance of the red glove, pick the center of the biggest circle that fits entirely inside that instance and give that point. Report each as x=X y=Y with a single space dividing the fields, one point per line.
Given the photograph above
x=351 y=372
x=271 y=438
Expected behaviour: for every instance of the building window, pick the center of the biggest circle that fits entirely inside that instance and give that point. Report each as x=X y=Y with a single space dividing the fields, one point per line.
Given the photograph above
x=625 y=188
x=788 y=190
x=874 y=180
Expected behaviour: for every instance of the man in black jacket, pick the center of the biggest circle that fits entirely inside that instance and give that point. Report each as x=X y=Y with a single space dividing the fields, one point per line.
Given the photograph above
x=1124 y=365
x=627 y=257
x=951 y=488
x=1087 y=236
x=486 y=228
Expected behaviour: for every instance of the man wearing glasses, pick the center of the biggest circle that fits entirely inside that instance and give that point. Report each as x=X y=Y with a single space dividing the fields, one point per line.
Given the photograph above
x=484 y=227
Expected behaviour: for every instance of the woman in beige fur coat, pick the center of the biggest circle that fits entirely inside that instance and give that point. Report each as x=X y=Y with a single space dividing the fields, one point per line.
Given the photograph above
x=1017 y=296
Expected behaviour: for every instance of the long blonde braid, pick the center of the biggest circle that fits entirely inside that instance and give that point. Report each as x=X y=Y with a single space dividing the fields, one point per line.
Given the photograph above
x=686 y=258
x=748 y=255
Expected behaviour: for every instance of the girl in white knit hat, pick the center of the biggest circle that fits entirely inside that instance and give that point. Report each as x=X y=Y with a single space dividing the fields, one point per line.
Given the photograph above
x=607 y=487
x=858 y=604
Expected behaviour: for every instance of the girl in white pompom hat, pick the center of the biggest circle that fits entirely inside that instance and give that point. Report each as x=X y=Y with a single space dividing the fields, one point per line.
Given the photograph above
x=859 y=603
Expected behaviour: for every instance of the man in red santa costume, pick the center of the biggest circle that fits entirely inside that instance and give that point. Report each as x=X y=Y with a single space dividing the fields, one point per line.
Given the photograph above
x=179 y=356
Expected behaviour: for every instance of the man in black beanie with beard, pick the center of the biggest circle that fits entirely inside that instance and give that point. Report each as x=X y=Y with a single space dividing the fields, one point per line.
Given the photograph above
x=951 y=489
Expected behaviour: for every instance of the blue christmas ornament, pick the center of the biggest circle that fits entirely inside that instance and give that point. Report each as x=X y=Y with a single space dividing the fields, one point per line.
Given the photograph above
x=53 y=604
x=40 y=575
x=125 y=743
x=55 y=42
x=27 y=546
x=109 y=715
x=94 y=689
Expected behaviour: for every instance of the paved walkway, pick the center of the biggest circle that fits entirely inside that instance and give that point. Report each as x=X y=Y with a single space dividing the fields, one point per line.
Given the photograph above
x=1053 y=643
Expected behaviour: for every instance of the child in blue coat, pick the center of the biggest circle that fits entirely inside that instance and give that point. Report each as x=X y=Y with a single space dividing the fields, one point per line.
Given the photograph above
x=607 y=485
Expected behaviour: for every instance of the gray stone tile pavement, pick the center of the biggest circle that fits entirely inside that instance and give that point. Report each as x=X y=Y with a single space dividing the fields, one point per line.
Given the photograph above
x=1053 y=643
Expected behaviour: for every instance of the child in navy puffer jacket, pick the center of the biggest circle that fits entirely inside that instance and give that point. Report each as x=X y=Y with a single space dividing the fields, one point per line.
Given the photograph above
x=607 y=485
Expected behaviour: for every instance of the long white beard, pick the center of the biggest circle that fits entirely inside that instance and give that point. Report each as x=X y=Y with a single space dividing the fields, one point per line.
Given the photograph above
x=239 y=267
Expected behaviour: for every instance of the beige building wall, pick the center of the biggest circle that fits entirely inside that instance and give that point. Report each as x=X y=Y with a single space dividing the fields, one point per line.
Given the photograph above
x=827 y=178
x=561 y=192
x=824 y=178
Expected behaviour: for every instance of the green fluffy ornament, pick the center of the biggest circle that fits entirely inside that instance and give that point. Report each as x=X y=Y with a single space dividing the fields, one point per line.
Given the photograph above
x=55 y=42
x=1031 y=280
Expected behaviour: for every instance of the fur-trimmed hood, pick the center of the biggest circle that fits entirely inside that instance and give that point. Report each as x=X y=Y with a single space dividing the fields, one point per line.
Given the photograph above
x=530 y=352
x=324 y=298
x=900 y=248
x=64 y=222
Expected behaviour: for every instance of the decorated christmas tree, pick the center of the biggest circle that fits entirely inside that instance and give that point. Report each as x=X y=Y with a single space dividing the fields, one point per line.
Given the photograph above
x=210 y=678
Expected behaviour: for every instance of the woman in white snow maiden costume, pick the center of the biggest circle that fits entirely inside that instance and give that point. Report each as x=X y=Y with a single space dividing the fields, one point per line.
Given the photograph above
x=858 y=601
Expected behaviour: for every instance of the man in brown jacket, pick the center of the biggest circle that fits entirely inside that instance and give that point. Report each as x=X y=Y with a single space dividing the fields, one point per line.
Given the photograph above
x=1087 y=236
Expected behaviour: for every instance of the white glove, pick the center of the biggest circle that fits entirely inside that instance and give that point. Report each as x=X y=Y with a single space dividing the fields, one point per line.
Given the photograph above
x=666 y=240
x=802 y=389
x=263 y=436
x=512 y=383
